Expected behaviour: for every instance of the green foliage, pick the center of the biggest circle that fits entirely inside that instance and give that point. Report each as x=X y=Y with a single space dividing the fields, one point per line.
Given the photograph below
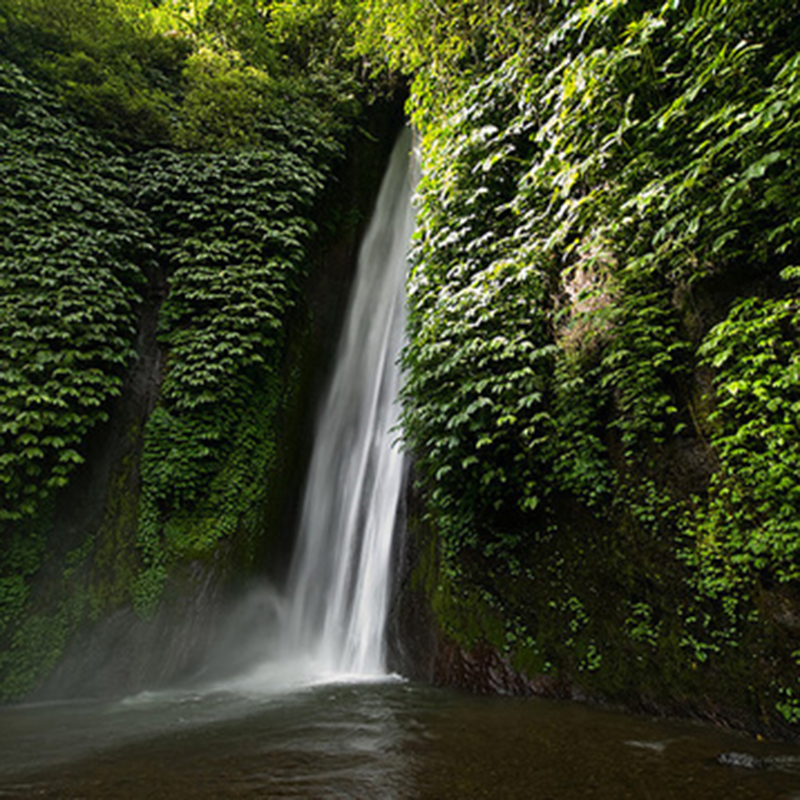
x=600 y=179
x=38 y=643
x=645 y=357
x=71 y=252
x=200 y=75
x=315 y=34
x=280 y=36
x=413 y=36
x=22 y=557
x=575 y=448
x=750 y=524
x=255 y=62
x=640 y=627
x=33 y=636
x=103 y=60
x=596 y=190
x=224 y=103
x=232 y=236
x=233 y=231
x=479 y=356
x=82 y=226
x=617 y=159
x=788 y=704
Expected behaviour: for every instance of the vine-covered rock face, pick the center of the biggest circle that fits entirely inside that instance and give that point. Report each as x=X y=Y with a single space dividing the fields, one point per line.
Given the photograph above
x=233 y=236
x=155 y=339
x=72 y=255
x=146 y=371
x=604 y=355
x=73 y=251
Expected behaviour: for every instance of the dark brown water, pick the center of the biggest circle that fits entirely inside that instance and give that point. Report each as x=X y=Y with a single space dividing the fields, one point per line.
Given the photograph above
x=390 y=740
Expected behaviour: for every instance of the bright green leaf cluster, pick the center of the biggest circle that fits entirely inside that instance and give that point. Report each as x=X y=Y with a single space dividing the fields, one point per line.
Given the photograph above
x=751 y=525
x=479 y=356
x=617 y=167
x=104 y=62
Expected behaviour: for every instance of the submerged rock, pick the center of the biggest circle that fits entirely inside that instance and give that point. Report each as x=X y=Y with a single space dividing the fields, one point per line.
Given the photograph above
x=741 y=760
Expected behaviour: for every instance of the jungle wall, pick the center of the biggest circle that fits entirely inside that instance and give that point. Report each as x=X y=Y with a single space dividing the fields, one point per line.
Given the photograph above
x=174 y=267
x=602 y=388
x=602 y=399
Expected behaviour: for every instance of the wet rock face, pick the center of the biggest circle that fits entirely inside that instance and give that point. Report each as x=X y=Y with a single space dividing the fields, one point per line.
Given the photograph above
x=122 y=653
x=483 y=671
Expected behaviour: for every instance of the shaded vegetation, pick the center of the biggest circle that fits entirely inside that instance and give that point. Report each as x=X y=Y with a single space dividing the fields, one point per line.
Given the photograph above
x=72 y=253
x=159 y=168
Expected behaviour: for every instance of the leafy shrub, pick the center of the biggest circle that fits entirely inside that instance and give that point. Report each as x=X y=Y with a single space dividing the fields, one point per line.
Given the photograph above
x=751 y=524
x=480 y=354
x=622 y=158
x=104 y=62
x=225 y=103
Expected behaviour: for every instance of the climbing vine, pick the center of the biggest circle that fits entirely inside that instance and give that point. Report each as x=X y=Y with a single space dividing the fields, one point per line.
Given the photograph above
x=628 y=168
x=598 y=169
x=602 y=371
x=91 y=234
x=71 y=255
x=750 y=524
x=233 y=235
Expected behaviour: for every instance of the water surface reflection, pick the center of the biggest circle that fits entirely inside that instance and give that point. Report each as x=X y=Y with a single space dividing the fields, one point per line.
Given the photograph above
x=391 y=740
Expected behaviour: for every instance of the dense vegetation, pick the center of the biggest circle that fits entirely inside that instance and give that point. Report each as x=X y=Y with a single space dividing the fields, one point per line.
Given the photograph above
x=70 y=275
x=603 y=379
x=147 y=169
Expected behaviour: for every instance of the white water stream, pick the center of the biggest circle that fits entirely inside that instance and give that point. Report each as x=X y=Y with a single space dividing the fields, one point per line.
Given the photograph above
x=340 y=580
x=330 y=624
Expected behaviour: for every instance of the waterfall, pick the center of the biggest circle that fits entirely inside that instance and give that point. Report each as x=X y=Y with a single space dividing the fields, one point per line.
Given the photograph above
x=340 y=578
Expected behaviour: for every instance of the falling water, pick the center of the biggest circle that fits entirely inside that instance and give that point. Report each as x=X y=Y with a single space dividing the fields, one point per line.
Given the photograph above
x=341 y=574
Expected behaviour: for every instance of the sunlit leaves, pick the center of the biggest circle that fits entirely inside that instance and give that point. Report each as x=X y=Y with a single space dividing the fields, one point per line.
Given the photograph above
x=751 y=523
x=479 y=356
x=103 y=61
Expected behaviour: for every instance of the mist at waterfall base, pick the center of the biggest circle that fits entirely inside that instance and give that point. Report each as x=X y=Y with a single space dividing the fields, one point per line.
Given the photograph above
x=294 y=699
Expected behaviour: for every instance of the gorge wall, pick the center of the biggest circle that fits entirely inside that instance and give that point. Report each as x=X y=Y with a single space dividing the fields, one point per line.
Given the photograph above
x=167 y=319
x=602 y=374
